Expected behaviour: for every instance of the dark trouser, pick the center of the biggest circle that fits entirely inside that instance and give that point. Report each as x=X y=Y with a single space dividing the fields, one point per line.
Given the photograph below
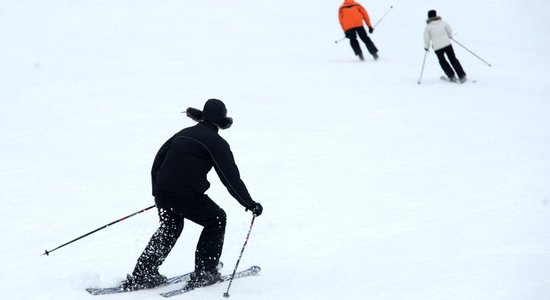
x=209 y=248
x=351 y=34
x=454 y=62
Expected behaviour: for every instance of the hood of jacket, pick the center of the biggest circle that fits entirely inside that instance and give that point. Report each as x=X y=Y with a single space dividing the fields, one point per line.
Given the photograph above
x=348 y=2
x=437 y=18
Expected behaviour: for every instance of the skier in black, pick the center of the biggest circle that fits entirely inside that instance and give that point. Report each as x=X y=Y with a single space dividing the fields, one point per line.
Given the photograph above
x=179 y=178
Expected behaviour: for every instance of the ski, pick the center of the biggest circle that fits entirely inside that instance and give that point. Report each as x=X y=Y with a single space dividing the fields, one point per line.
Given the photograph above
x=119 y=289
x=252 y=271
x=445 y=78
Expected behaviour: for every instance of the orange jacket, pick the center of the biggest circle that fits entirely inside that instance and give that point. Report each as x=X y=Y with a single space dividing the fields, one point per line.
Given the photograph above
x=351 y=15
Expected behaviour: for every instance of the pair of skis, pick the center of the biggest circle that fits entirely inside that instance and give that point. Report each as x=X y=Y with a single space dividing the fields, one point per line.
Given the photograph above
x=445 y=78
x=252 y=271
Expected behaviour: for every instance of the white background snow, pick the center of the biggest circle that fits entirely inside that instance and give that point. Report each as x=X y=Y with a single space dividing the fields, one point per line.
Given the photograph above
x=374 y=187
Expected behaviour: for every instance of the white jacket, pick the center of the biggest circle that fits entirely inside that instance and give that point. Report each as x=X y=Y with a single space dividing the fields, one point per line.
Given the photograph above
x=438 y=32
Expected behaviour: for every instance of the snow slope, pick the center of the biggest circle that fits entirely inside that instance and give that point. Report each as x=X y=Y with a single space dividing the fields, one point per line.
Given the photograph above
x=374 y=187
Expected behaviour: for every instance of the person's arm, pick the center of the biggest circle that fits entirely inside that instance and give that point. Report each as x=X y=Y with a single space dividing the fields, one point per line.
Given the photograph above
x=427 y=39
x=157 y=163
x=228 y=172
x=366 y=17
x=449 y=30
x=341 y=18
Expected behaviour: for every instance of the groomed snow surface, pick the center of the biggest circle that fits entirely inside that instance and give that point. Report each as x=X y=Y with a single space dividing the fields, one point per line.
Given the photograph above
x=373 y=187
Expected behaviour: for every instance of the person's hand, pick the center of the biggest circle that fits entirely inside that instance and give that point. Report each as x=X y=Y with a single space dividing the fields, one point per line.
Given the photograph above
x=371 y=30
x=257 y=209
x=426 y=49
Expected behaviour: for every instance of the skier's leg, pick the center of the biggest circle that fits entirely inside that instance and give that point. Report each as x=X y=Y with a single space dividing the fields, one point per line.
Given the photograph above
x=368 y=42
x=210 y=244
x=444 y=64
x=352 y=36
x=454 y=62
x=160 y=244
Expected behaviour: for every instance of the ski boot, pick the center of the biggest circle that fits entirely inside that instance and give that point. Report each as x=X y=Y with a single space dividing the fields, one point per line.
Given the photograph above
x=139 y=281
x=204 y=278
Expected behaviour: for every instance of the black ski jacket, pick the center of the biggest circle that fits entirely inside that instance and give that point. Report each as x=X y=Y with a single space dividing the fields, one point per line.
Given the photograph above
x=179 y=172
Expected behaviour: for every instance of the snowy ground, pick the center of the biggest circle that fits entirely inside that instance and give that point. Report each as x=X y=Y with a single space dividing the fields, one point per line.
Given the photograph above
x=374 y=187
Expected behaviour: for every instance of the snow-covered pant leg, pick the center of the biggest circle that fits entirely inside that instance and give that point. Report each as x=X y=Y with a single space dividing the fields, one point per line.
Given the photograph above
x=210 y=245
x=352 y=36
x=443 y=62
x=366 y=39
x=454 y=62
x=160 y=244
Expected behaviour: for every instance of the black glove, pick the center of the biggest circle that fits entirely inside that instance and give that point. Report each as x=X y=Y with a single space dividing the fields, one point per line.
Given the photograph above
x=256 y=209
x=426 y=49
x=371 y=29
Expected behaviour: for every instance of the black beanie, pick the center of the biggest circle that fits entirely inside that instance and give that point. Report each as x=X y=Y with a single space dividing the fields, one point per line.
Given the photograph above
x=432 y=13
x=214 y=112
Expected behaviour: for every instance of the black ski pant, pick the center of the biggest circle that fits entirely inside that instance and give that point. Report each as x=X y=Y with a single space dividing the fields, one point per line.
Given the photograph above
x=352 y=34
x=449 y=51
x=209 y=247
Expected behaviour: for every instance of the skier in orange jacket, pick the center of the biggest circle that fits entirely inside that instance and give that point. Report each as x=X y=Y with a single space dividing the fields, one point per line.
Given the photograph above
x=351 y=15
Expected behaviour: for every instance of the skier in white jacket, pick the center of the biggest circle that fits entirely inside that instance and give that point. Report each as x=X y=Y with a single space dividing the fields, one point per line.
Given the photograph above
x=439 y=33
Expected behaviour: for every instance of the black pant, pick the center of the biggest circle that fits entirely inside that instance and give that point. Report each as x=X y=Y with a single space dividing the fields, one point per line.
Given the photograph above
x=454 y=62
x=209 y=248
x=351 y=34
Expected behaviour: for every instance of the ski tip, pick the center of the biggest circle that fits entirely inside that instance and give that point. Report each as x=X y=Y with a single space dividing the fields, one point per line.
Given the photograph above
x=104 y=291
x=93 y=291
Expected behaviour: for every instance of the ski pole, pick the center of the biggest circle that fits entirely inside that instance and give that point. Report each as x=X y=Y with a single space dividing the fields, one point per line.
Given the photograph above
x=226 y=294
x=423 y=63
x=338 y=41
x=471 y=52
x=387 y=12
x=376 y=24
x=47 y=252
